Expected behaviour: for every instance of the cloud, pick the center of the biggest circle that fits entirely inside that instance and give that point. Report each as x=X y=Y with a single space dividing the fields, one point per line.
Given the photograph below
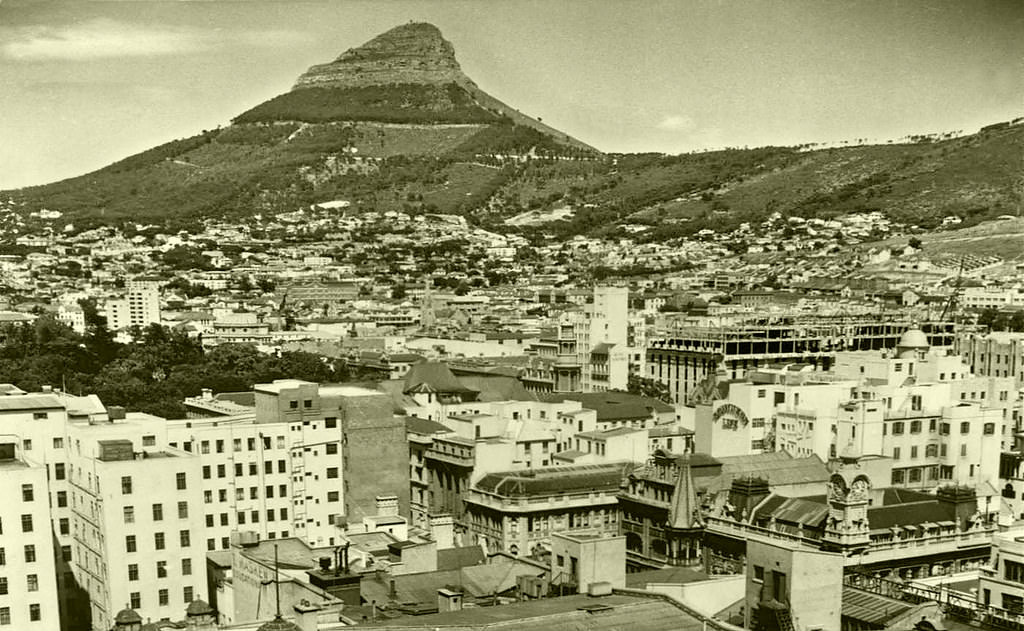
x=677 y=123
x=96 y=39
x=105 y=39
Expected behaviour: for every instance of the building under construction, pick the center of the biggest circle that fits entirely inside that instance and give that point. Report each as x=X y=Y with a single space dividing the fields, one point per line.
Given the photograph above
x=688 y=356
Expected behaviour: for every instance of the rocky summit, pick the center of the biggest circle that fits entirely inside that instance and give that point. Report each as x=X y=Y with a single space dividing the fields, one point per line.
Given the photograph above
x=413 y=53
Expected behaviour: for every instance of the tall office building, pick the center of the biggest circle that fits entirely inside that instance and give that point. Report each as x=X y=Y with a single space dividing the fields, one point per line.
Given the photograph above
x=140 y=306
x=593 y=345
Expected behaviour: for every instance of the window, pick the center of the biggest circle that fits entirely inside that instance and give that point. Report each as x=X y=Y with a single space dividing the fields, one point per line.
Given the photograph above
x=65 y=553
x=761 y=393
x=963 y=451
x=990 y=428
x=332 y=496
x=915 y=427
x=26 y=523
x=5 y=615
x=270 y=491
x=898 y=476
x=330 y=422
x=158 y=540
x=897 y=428
x=135 y=600
x=896 y=453
x=185 y=538
x=930 y=451
x=220 y=446
x=161 y=569
x=223 y=519
x=270 y=514
x=915 y=475
x=3 y=585
x=209 y=521
x=293 y=405
x=59 y=473
x=913 y=451
x=221 y=471
x=965 y=428
x=158 y=512
x=222 y=495
x=30 y=553
x=126 y=485
x=26 y=444
x=163 y=597
x=779 y=591
x=250 y=444
x=64 y=526
x=208 y=497
x=239 y=471
x=331 y=448
x=186 y=567
x=62 y=499
x=1013 y=571
x=268 y=466
x=35 y=614
x=27 y=494
x=149 y=441
x=186 y=594
x=32 y=583
x=129 y=543
x=237 y=444
x=133 y=571
x=40 y=416
x=181 y=481
x=182 y=510
x=281 y=466
x=944 y=429
x=332 y=472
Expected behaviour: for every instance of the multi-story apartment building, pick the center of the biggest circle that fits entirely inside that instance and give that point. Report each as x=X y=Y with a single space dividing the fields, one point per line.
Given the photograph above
x=137 y=519
x=28 y=571
x=140 y=306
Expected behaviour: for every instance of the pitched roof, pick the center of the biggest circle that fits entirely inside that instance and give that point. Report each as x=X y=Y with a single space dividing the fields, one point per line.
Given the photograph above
x=779 y=468
x=454 y=558
x=424 y=426
x=497 y=388
x=613 y=406
x=912 y=513
x=433 y=377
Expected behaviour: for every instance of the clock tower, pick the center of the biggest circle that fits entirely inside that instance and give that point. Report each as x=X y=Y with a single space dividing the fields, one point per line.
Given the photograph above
x=846 y=529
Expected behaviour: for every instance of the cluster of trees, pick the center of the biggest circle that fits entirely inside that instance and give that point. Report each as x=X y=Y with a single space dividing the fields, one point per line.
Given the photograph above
x=153 y=374
x=997 y=320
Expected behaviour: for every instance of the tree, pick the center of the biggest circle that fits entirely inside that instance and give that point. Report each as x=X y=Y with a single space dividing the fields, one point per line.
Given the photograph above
x=915 y=243
x=398 y=291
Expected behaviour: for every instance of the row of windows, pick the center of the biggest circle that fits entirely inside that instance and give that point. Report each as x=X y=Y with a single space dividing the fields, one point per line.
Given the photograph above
x=254 y=517
x=30 y=554
x=268 y=468
x=26 y=524
x=180 y=480
x=163 y=597
x=161 y=569
x=159 y=541
x=31 y=583
x=35 y=614
x=915 y=428
x=254 y=493
x=158 y=512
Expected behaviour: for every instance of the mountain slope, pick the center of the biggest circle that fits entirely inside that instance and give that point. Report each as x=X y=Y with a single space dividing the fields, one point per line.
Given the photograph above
x=396 y=125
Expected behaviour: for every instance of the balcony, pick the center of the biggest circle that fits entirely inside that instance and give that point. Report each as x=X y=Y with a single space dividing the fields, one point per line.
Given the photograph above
x=450 y=458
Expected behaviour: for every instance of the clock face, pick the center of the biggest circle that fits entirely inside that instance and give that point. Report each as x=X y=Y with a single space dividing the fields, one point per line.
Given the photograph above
x=860 y=485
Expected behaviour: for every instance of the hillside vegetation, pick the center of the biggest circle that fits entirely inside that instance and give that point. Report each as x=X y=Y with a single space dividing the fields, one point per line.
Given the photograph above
x=496 y=170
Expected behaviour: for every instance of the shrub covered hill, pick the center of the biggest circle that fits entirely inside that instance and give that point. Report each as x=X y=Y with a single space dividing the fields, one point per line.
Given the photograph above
x=395 y=124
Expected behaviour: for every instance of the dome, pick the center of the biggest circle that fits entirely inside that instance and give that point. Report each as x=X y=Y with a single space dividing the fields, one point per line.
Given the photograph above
x=199 y=607
x=127 y=616
x=914 y=339
x=279 y=624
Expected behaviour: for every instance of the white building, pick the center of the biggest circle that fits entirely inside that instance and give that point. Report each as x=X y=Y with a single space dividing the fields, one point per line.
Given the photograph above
x=139 y=307
x=28 y=585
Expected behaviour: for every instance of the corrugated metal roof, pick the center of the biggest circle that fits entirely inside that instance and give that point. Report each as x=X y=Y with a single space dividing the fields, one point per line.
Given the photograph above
x=870 y=607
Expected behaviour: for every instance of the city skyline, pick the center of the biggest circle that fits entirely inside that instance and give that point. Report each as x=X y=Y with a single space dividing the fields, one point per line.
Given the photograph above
x=92 y=82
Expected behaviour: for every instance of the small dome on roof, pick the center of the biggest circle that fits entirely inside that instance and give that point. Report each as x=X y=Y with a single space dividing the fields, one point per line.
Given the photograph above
x=279 y=624
x=914 y=339
x=199 y=607
x=127 y=616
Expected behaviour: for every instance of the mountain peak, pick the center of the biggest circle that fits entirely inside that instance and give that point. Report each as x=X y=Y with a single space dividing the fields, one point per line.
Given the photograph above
x=413 y=53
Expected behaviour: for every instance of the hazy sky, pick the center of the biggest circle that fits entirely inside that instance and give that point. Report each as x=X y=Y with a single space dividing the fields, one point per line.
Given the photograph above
x=84 y=83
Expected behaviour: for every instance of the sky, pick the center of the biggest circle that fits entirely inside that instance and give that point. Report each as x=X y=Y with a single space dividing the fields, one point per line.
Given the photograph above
x=86 y=82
